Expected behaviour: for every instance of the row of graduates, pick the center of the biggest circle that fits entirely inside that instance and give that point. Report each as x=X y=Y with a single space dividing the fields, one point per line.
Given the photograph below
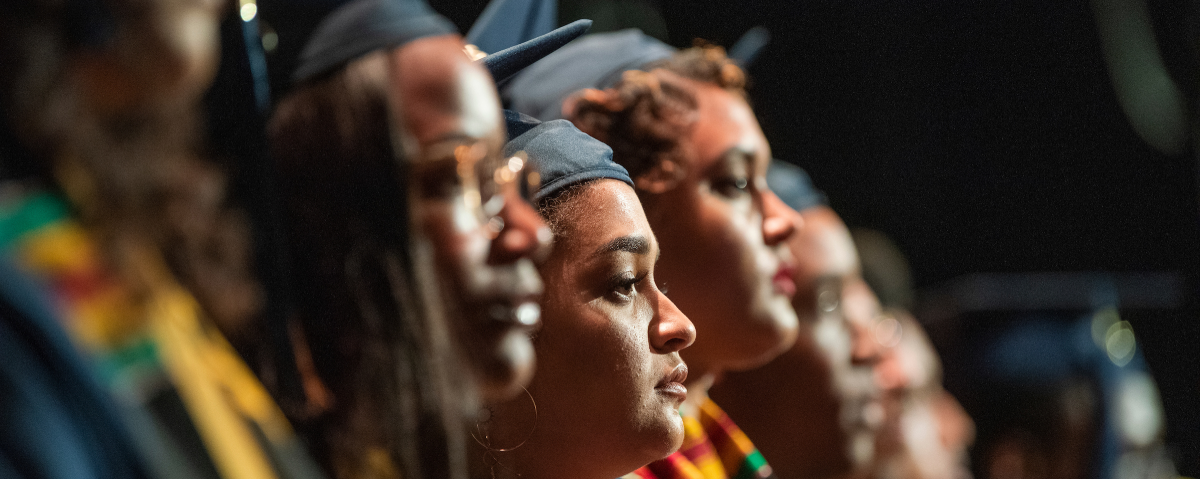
x=477 y=292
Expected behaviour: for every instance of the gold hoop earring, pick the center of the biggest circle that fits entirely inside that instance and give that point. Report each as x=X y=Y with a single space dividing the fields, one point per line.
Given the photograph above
x=486 y=440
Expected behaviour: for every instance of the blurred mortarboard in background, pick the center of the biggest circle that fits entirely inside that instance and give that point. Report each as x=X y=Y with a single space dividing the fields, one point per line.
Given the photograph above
x=562 y=155
x=509 y=61
x=746 y=49
x=594 y=61
x=505 y=23
x=793 y=186
x=597 y=61
x=363 y=26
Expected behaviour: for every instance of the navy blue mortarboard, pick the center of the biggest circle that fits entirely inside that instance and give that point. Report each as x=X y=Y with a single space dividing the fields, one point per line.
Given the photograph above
x=793 y=186
x=594 y=61
x=363 y=26
x=746 y=49
x=562 y=154
x=509 y=61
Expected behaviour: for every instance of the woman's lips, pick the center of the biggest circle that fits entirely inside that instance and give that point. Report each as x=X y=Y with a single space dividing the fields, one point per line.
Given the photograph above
x=784 y=284
x=672 y=383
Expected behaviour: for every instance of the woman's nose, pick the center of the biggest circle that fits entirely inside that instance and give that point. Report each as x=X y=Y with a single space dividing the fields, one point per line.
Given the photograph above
x=670 y=331
x=864 y=348
x=780 y=221
x=522 y=233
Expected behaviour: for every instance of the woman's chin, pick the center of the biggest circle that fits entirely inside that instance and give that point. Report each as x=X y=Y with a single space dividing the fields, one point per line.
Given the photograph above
x=507 y=370
x=668 y=436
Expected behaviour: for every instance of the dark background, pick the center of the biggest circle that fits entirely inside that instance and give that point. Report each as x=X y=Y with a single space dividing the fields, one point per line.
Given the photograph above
x=981 y=136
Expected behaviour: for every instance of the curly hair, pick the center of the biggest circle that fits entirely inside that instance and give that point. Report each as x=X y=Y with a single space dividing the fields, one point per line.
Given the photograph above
x=375 y=337
x=644 y=116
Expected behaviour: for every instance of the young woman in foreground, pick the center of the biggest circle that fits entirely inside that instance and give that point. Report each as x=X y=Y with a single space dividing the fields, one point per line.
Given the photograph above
x=610 y=379
x=686 y=134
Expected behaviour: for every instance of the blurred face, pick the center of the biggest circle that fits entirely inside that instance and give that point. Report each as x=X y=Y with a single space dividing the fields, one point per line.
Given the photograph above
x=723 y=234
x=610 y=381
x=838 y=310
x=822 y=410
x=926 y=432
x=164 y=53
x=483 y=235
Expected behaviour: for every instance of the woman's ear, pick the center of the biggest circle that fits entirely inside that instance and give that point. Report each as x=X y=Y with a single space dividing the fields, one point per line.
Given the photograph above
x=662 y=178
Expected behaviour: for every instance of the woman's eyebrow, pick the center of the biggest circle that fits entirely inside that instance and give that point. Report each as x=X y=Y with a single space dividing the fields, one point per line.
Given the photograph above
x=630 y=244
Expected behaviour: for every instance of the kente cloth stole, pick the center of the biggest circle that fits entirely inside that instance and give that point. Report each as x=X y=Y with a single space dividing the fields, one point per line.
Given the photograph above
x=161 y=335
x=713 y=448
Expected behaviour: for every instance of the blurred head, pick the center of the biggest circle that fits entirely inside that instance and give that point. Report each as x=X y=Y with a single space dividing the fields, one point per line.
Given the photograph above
x=132 y=65
x=926 y=432
x=698 y=156
x=839 y=311
x=482 y=234
x=103 y=96
x=120 y=58
x=375 y=339
x=824 y=420
x=609 y=381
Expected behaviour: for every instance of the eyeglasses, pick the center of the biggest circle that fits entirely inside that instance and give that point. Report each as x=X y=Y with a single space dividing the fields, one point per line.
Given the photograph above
x=481 y=176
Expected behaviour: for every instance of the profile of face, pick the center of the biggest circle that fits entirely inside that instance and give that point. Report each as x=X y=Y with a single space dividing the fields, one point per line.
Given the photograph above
x=610 y=377
x=163 y=55
x=483 y=235
x=723 y=233
x=926 y=432
x=826 y=410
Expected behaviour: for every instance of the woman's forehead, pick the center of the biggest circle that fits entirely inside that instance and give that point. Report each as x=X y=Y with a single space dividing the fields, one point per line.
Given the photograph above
x=607 y=210
x=726 y=124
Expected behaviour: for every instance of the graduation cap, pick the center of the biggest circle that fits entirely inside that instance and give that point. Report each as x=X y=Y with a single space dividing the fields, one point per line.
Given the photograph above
x=746 y=49
x=562 y=154
x=792 y=184
x=594 y=61
x=597 y=61
x=505 y=23
x=363 y=26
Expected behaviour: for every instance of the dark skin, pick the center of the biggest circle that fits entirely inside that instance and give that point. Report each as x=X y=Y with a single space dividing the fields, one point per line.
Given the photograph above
x=723 y=234
x=820 y=418
x=483 y=236
x=610 y=380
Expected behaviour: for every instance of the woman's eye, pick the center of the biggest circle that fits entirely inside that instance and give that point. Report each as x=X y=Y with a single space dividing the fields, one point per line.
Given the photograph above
x=626 y=288
x=732 y=186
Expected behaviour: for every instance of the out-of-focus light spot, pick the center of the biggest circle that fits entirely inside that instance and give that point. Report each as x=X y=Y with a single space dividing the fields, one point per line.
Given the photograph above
x=249 y=10
x=496 y=224
x=1120 y=343
x=888 y=331
x=270 y=40
x=471 y=196
x=1139 y=410
x=528 y=314
x=515 y=164
x=827 y=300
